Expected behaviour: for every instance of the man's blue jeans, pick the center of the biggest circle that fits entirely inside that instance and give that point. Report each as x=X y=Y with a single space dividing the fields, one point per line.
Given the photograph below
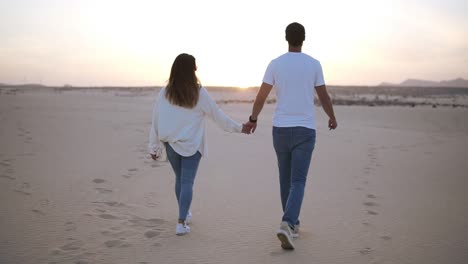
x=294 y=147
x=185 y=169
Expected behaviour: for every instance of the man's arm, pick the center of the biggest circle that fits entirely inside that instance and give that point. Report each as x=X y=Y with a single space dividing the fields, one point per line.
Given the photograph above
x=327 y=105
x=262 y=95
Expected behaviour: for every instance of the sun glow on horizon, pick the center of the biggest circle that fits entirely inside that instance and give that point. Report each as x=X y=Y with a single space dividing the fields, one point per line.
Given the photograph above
x=134 y=43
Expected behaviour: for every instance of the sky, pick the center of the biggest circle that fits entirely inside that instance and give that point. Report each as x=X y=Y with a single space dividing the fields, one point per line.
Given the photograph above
x=134 y=43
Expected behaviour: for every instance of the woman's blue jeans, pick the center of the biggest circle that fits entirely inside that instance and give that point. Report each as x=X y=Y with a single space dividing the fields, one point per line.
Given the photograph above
x=294 y=147
x=185 y=169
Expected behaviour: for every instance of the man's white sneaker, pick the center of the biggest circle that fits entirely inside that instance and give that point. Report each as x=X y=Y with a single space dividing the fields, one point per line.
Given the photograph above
x=182 y=229
x=295 y=231
x=285 y=236
x=188 y=219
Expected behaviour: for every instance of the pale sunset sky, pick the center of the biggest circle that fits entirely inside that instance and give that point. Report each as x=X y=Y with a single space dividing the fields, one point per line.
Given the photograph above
x=133 y=43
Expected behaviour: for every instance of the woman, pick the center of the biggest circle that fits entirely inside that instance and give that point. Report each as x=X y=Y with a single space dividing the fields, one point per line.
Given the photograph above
x=179 y=127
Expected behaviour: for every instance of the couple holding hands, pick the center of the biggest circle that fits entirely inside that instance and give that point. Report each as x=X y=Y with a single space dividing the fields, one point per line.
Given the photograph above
x=178 y=126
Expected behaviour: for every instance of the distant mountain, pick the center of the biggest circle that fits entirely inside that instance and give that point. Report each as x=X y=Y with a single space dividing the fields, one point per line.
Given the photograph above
x=416 y=82
x=388 y=84
x=26 y=85
x=459 y=82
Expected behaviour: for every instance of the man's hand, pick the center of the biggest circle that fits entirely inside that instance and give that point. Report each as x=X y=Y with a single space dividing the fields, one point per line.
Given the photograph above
x=332 y=124
x=154 y=156
x=251 y=126
x=247 y=128
x=327 y=105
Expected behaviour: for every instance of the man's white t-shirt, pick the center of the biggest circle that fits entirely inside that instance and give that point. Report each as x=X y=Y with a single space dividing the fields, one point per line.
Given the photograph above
x=294 y=75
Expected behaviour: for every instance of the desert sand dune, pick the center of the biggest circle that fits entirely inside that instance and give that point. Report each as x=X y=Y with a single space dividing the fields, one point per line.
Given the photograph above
x=77 y=186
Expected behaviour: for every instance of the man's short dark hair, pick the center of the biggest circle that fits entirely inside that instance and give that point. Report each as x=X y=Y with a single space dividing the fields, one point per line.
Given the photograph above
x=295 y=34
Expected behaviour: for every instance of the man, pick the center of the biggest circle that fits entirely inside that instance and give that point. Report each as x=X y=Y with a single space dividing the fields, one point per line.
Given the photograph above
x=295 y=76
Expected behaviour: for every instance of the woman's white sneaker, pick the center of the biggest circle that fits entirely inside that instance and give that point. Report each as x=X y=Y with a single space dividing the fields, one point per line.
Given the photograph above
x=188 y=219
x=182 y=229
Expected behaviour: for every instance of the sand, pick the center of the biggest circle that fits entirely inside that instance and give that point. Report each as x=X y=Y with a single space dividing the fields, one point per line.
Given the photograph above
x=77 y=186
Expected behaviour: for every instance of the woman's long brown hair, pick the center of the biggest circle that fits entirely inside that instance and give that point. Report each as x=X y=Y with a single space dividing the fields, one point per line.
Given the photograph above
x=183 y=88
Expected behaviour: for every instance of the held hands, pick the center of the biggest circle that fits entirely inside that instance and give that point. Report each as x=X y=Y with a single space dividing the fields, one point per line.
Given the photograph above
x=248 y=128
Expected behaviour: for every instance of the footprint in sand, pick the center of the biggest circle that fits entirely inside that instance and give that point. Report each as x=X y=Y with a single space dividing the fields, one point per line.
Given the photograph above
x=5 y=163
x=112 y=203
x=369 y=212
x=127 y=176
x=130 y=173
x=42 y=203
x=70 y=226
x=108 y=216
x=106 y=233
x=367 y=170
x=386 y=238
x=152 y=233
x=55 y=252
x=70 y=252
x=103 y=190
x=116 y=243
x=37 y=211
x=99 y=181
x=370 y=204
x=371 y=196
x=23 y=189
x=150 y=199
x=75 y=245
x=7 y=177
x=141 y=222
x=151 y=204
x=366 y=251
x=115 y=232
